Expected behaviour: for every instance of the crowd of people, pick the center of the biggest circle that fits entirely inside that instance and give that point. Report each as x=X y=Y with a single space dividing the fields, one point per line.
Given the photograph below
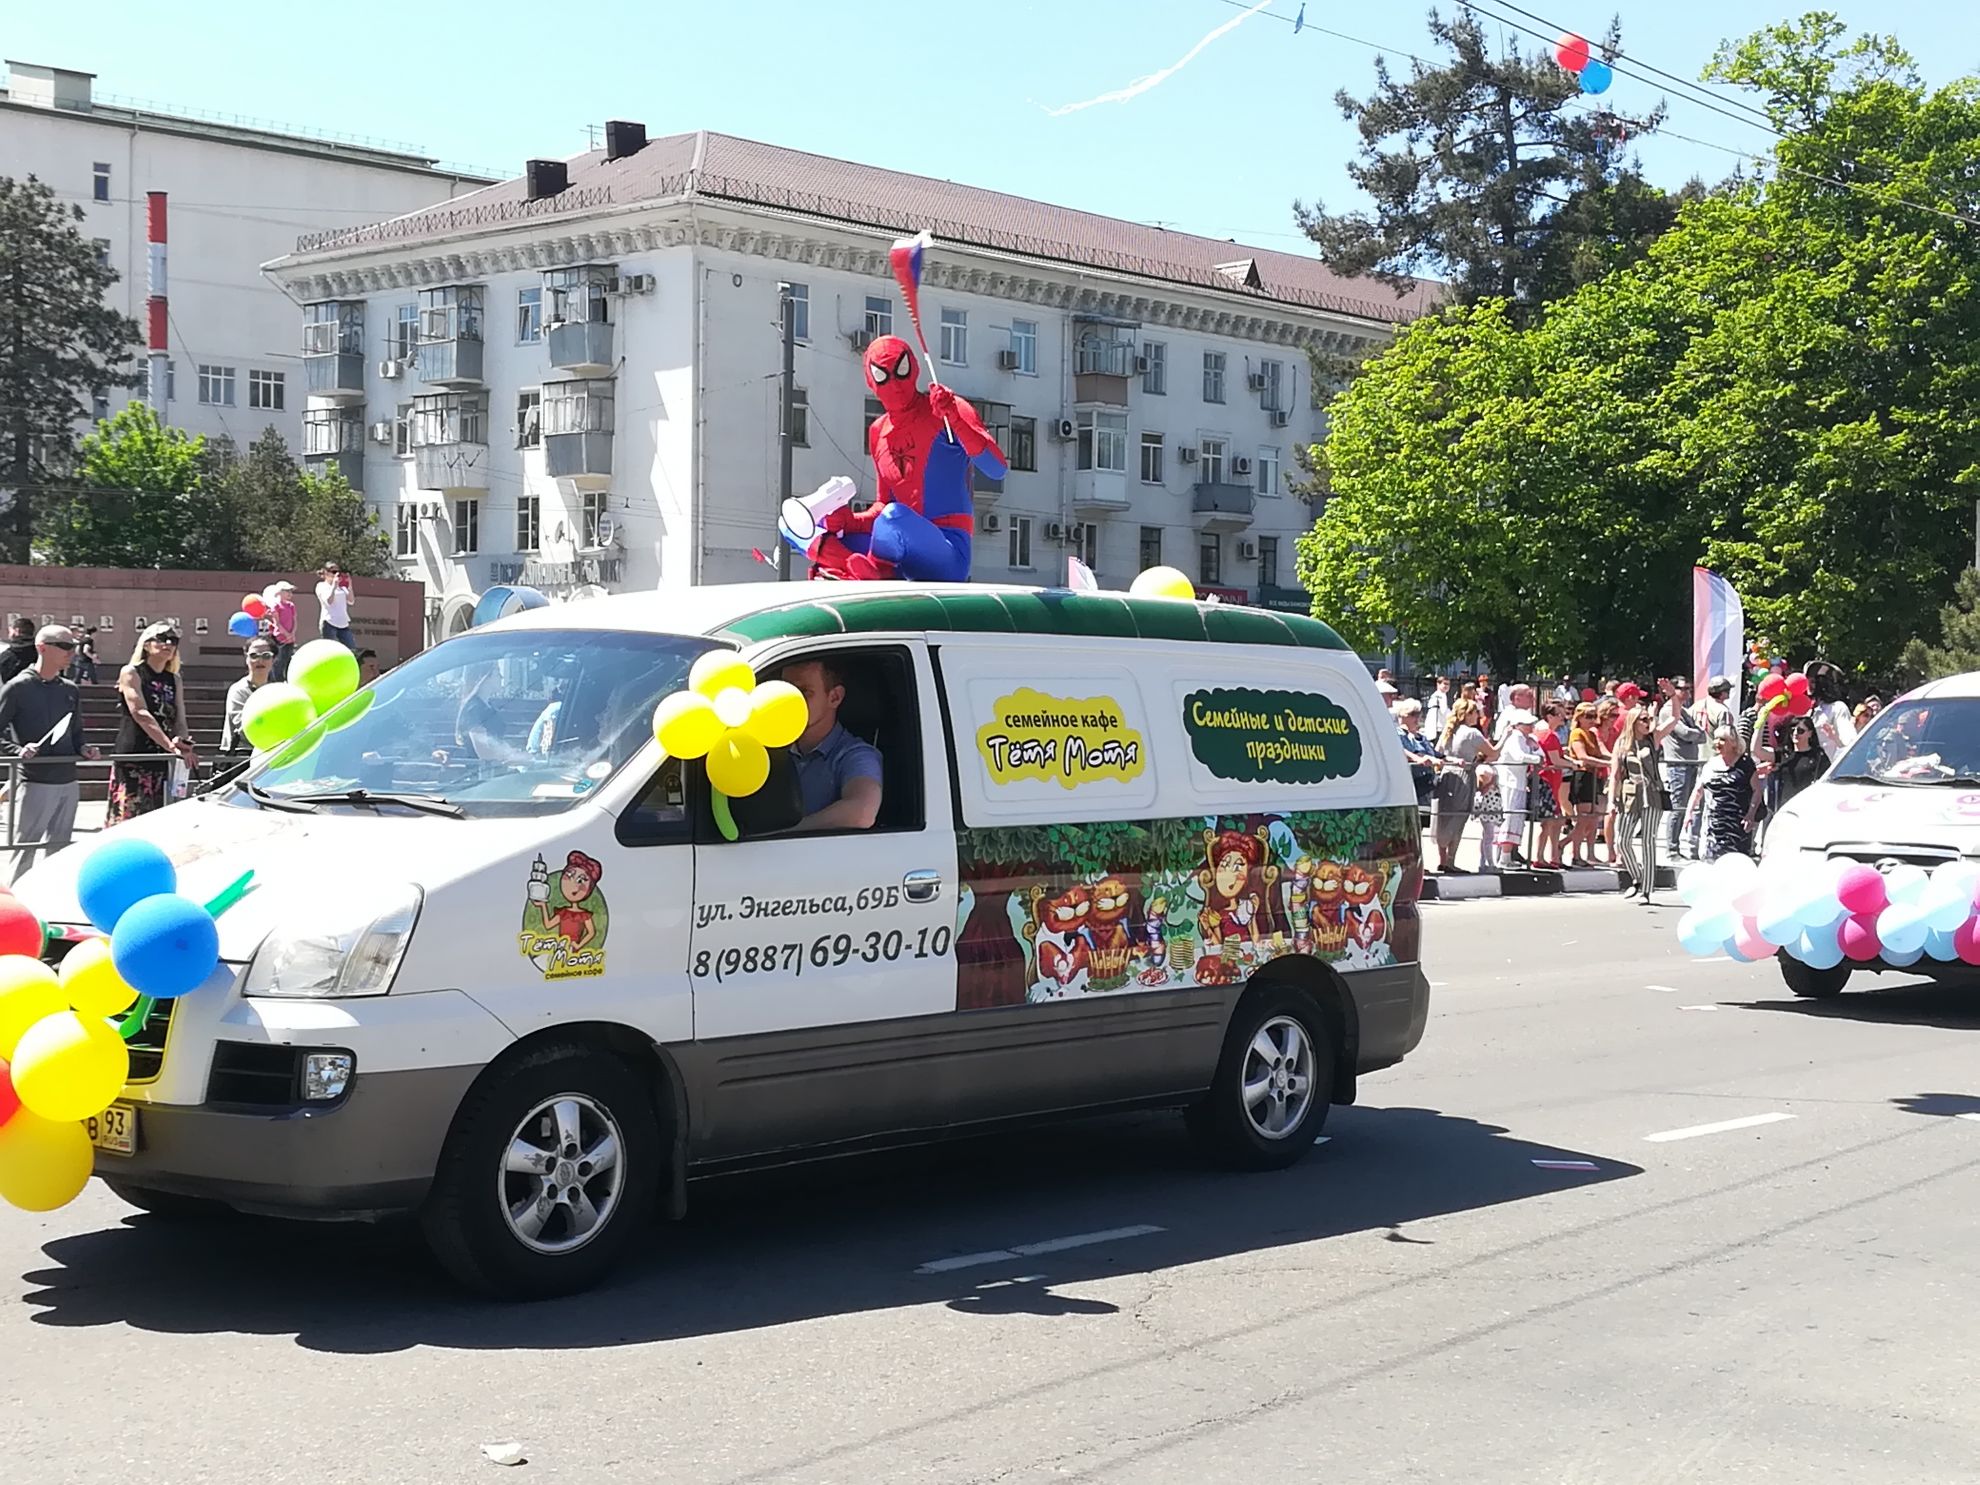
x=1611 y=775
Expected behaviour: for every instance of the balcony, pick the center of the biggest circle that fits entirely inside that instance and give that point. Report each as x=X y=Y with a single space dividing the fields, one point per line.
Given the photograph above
x=1101 y=369
x=450 y=336
x=577 y=432
x=450 y=443
x=333 y=438
x=577 y=305
x=1099 y=492
x=582 y=348
x=1222 y=507
x=333 y=349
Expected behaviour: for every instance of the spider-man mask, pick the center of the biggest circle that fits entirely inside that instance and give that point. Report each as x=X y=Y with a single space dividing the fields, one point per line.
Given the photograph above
x=891 y=370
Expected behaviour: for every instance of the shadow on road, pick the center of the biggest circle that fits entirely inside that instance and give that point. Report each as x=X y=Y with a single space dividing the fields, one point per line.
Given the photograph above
x=1954 y=1007
x=832 y=1238
x=1941 y=1105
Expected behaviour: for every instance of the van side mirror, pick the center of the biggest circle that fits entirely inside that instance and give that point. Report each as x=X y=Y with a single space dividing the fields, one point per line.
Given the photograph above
x=776 y=807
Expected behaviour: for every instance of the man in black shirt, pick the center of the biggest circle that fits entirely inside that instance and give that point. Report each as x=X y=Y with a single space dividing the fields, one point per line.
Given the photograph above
x=19 y=654
x=41 y=723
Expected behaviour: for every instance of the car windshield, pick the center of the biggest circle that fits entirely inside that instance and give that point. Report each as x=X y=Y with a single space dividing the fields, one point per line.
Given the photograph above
x=515 y=722
x=1930 y=740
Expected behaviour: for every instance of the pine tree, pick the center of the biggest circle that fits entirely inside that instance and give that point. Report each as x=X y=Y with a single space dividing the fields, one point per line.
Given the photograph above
x=61 y=347
x=1958 y=650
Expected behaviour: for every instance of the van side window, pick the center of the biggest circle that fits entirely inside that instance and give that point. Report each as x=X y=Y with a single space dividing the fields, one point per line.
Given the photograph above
x=659 y=817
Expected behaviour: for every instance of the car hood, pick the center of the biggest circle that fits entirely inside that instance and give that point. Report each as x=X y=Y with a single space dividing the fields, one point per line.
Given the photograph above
x=1845 y=816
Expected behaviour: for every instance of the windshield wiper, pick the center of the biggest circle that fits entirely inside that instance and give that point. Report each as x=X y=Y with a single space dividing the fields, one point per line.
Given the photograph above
x=425 y=804
x=273 y=801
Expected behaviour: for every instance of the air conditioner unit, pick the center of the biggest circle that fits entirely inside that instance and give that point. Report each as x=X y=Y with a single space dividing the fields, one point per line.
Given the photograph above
x=860 y=339
x=992 y=523
x=1280 y=417
x=381 y=432
x=1141 y=366
x=1187 y=453
x=1240 y=465
x=1247 y=551
x=1256 y=381
x=1054 y=531
x=1064 y=429
x=633 y=283
x=429 y=512
x=1007 y=360
x=391 y=371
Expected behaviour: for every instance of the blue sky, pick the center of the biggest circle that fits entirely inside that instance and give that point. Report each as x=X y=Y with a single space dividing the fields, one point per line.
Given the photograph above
x=1222 y=147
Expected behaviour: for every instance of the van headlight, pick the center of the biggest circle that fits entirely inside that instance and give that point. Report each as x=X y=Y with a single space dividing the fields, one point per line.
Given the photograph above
x=338 y=946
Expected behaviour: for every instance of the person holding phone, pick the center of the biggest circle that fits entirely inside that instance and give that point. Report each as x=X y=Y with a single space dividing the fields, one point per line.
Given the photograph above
x=333 y=593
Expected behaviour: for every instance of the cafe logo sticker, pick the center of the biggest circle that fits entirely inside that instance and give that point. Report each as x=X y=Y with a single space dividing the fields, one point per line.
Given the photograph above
x=1279 y=737
x=1033 y=736
x=565 y=919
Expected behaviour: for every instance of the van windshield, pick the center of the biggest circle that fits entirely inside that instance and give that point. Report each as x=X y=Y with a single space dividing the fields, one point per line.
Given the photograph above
x=515 y=722
x=1932 y=740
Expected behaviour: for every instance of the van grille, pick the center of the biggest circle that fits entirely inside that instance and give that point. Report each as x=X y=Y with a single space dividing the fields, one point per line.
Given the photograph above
x=1918 y=855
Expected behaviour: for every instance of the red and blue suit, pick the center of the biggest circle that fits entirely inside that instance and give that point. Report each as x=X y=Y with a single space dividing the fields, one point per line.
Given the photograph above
x=923 y=517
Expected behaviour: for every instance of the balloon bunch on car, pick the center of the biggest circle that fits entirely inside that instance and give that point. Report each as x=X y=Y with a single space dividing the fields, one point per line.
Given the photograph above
x=1823 y=911
x=63 y=1057
x=323 y=675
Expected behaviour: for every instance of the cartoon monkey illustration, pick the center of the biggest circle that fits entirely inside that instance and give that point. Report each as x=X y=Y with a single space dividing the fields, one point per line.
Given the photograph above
x=1065 y=955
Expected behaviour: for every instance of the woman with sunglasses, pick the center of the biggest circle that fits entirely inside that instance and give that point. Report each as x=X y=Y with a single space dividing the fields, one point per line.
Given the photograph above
x=1636 y=785
x=154 y=721
x=1797 y=763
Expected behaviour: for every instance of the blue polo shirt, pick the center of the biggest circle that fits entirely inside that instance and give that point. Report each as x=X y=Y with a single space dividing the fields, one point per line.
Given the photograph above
x=824 y=773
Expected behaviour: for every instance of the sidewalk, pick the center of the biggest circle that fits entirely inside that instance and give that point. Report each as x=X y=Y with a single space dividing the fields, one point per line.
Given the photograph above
x=89 y=821
x=1473 y=883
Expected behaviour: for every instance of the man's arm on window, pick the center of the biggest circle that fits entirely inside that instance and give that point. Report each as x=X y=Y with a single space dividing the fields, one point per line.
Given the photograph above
x=856 y=809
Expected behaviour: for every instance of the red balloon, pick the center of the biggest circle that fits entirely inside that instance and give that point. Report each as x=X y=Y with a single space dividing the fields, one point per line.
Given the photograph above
x=1859 y=938
x=1966 y=941
x=254 y=607
x=1799 y=706
x=20 y=930
x=9 y=1099
x=1797 y=684
x=1862 y=891
x=1571 y=51
x=1588 y=693
x=1770 y=688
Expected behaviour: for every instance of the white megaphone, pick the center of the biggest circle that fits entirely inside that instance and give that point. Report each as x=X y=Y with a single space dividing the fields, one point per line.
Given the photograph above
x=801 y=515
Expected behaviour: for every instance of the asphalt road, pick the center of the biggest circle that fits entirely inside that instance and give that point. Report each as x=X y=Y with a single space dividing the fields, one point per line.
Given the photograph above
x=1420 y=1300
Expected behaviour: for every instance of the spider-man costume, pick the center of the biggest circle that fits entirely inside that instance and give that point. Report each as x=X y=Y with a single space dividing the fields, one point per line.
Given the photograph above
x=923 y=519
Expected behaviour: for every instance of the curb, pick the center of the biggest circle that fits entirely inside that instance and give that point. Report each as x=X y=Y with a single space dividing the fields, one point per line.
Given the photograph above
x=1531 y=884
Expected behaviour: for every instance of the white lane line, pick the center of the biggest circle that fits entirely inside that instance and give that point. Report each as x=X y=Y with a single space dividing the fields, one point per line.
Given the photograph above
x=1751 y=1121
x=1719 y=959
x=1567 y=1165
x=1667 y=989
x=1698 y=1008
x=1033 y=1250
x=1974 y=1117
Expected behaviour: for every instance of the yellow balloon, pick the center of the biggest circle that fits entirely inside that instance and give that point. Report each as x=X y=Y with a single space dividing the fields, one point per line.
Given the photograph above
x=69 y=1066
x=738 y=765
x=44 y=1163
x=91 y=981
x=28 y=991
x=686 y=724
x=732 y=706
x=1162 y=582
x=719 y=671
x=777 y=714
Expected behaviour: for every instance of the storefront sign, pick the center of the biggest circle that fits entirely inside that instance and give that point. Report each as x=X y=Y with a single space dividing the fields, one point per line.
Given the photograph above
x=1283 y=737
x=1033 y=736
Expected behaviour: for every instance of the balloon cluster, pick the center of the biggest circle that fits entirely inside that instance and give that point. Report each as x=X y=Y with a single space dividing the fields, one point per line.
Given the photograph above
x=1824 y=911
x=322 y=675
x=1758 y=661
x=246 y=623
x=1163 y=582
x=726 y=717
x=1571 y=51
x=1788 y=693
x=63 y=1057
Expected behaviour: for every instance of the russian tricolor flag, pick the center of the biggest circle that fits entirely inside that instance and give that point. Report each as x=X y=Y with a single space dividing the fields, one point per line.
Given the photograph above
x=907 y=256
x=1718 y=632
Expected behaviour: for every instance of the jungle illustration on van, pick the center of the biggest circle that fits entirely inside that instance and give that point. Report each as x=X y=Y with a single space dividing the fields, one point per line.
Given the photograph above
x=565 y=919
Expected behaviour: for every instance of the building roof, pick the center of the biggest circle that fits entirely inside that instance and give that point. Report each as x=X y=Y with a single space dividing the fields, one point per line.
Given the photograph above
x=745 y=613
x=721 y=168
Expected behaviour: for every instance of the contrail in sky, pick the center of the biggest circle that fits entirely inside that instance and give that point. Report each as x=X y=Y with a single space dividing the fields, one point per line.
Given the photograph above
x=1155 y=79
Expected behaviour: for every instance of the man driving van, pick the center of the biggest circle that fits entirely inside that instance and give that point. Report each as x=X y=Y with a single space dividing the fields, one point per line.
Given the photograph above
x=838 y=774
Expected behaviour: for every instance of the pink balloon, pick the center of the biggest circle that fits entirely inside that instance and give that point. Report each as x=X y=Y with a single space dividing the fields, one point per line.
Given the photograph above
x=1746 y=903
x=1859 y=939
x=1966 y=941
x=1860 y=889
x=1747 y=939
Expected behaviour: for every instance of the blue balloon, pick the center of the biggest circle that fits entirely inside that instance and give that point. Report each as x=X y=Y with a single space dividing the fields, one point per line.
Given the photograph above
x=1818 y=949
x=165 y=946
x=500 y=602
x=1821 y=909
x=1596 y=76
x=1946 y=907
x=119 y=873
x=243 y=626
x=1901 y=927
x=1939 y=944
x=1780 y=928
x=1704 y=931
x=1905 y=959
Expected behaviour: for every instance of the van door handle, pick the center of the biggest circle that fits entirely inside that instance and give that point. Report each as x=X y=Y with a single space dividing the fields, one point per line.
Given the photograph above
x=922 y=886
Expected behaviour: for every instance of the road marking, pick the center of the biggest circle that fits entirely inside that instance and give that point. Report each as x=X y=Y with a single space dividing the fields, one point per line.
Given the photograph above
x=1751 y=1121
x=1033 y=1250
x=1667 y=989
x=1567 y=1165
x=1717 y=959
x=1698 y=1008
x=1974 y=1117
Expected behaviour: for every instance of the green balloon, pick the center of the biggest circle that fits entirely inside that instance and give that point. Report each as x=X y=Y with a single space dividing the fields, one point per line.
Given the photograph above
x=276 y=713
x=326 y=670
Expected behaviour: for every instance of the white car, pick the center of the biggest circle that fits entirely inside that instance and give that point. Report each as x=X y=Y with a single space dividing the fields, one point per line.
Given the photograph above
x=1906 y=791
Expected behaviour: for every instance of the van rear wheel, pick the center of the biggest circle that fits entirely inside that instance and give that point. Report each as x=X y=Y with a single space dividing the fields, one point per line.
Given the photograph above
x=1274 y=1083
x=1811 y=983
x=548 y=1175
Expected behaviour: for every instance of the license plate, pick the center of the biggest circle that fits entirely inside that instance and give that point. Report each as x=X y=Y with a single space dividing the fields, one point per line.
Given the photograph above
x=115 y=1129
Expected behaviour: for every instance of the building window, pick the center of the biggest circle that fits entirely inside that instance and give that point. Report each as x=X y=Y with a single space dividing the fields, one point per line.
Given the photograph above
x=1210 y=457
x=216 y=386
x=801 y=312
x=529 y=316
x=1024 y=346
x=99 y=406
x=955 y=337
x=1102 y=440
x=1272 y=373
x=333 y=430
x=529 y=418
x=1151 y=458
x=1213 y=376
x=1155 y=380
x=102 y=245
x=1020 y=541
x=529 y=522
x=171 y=381
x=1267 y=470
x=879 y=315
x=1023 y=448
x=405 y=533
x=449 y=417
x=593 y=517
x=577 y=296
x=405 y=337
x=1151 y=547
x=402 y=429
x=100 y=181
x=800 y=417
x=1210 y=561
x=874 y=413
x=1268 y=561
x=1086 y=543
x=467 y=527
x=996 y=418
x=266 y=390
x=451 y=313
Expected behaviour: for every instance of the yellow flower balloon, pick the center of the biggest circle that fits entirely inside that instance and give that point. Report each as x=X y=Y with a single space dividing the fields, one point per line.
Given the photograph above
x=1162 y=582
x=28 y=991
x=738 y=765
x=777 y=714
x=69 y=1066
x=727 y=718
x=44 y=1163
x=686 y=724
x=91 y=982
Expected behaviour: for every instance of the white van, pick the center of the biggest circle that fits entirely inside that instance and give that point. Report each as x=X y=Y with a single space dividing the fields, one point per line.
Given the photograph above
x=502 y=967
x=1907 y=790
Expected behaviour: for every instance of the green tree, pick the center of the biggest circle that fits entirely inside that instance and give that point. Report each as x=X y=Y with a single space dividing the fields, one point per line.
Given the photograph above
x=135 y=499
x=1482 y=175
x=270 y=515
x=1800 y=68
x=1958 y=649
x=61 y=347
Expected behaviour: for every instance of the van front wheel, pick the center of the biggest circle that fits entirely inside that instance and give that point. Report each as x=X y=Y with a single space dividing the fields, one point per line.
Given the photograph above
x=549 y=1173
x=1811 y=983
x=1274 y=1083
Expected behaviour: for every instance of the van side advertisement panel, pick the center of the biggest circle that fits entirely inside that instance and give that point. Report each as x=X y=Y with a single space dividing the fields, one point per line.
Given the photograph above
x=1050 y=912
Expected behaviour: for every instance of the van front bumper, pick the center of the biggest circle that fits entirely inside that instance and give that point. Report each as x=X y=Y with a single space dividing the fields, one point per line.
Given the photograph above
x=373 y=1151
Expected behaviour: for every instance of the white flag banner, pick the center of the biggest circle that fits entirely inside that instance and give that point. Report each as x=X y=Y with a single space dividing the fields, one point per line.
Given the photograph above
x=1080 y=578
